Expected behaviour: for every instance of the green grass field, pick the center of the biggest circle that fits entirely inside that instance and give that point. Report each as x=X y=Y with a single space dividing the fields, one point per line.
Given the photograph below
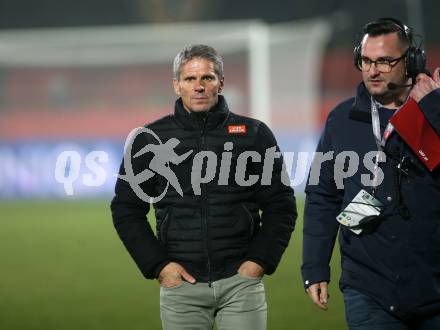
x=63 y=267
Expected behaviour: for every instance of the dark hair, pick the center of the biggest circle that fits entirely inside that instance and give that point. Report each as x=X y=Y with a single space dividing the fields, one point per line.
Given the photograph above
x=197 y=51
x=383 y=26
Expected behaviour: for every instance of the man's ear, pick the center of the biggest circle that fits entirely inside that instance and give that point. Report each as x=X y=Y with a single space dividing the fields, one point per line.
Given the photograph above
x=176 y=86
x=222 y=84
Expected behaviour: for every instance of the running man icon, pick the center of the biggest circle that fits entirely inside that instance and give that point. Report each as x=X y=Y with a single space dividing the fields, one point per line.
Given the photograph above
x=163 y=155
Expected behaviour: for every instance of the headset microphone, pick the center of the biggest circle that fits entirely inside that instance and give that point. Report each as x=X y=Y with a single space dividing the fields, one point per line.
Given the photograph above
x=392 y=86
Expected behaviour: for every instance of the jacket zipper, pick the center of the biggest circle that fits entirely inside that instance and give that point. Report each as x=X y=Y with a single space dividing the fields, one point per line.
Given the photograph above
x=204 y=207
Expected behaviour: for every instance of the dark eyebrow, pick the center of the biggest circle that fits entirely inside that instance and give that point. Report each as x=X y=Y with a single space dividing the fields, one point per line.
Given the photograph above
x=386 y=58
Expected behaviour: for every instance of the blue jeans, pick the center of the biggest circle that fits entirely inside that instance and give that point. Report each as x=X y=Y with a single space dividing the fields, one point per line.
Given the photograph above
x=363 y=313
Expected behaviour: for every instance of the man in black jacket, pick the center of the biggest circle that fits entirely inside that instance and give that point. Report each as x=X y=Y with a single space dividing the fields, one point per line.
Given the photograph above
x=391 y=258
x=209 y=172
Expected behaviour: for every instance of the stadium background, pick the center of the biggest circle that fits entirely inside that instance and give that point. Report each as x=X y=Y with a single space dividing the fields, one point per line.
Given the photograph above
x=63 y=88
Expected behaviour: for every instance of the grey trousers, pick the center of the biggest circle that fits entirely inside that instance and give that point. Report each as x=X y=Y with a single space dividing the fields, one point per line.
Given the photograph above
x=233 y=303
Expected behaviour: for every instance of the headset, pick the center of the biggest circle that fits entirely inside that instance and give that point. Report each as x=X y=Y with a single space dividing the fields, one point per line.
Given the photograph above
x=415 y=59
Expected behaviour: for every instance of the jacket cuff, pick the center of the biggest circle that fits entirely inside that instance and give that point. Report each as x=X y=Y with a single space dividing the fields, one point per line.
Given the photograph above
x=258 y=261
x=430 y=108
x=315 y=275
x=159 y=268
x=260 y=258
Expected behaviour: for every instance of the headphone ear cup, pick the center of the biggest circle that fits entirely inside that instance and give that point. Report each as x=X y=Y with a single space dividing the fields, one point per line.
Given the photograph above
x=357 y=57
x=415 y=62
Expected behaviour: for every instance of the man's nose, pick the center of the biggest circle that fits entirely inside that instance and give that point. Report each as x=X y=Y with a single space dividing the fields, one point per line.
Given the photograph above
x=199 y=87
x=373 y=69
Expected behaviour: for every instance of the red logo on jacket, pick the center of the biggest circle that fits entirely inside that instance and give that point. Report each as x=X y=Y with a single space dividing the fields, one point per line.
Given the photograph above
x=236 y=129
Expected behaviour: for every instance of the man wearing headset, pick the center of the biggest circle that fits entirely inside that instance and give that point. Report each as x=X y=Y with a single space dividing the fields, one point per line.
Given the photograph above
x=388 y=212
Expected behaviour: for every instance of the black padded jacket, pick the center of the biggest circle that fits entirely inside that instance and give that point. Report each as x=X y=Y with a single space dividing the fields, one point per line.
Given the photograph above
x=216 y=223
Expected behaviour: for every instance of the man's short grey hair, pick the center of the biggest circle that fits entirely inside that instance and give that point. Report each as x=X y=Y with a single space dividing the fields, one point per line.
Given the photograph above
x=197 y=51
